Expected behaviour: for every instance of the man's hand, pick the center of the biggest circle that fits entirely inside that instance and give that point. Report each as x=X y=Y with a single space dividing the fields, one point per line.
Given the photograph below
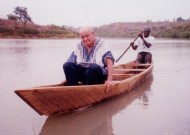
x=132 y=44
x=141 y=36
x=108 y=84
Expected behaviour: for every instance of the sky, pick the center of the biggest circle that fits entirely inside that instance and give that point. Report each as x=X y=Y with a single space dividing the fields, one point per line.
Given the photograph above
x=79 y=13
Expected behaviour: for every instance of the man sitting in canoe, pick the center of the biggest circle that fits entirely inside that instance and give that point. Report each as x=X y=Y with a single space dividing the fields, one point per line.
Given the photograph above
x=143 y=45
x=90 y=63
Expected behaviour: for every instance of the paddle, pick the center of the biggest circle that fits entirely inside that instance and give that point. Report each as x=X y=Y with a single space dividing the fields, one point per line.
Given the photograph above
x=127 y=48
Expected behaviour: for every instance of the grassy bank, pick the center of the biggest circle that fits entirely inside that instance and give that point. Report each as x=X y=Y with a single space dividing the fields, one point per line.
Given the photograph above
x=14 y=29
x=158 y=29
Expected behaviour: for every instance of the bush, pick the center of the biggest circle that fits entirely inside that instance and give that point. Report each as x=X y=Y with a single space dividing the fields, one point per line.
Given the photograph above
x=186 y=34
x=12 y=17
x=6 y=30
x=55 y=32
x=29 y=31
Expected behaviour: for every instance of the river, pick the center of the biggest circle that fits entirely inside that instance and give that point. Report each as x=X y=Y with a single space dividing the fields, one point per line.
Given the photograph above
x=159 y=106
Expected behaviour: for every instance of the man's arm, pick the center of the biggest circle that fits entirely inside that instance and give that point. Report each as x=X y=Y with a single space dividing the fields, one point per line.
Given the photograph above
x=108 y=82
x=133 y=46
x=144 y=41
x=72 y=58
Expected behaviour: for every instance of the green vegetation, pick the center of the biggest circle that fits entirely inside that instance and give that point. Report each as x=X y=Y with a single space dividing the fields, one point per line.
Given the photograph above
x=179 y=29
x=6 y=30
x=20 y=25
x=21 y=14
x=15 y=29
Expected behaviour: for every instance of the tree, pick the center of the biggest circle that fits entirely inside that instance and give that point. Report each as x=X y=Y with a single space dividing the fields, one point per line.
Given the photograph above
x=22 y=14
x=180 y=19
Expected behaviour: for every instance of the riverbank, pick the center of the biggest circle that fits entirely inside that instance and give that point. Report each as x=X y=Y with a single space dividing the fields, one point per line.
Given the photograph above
x=175 y=30
x=19 y=30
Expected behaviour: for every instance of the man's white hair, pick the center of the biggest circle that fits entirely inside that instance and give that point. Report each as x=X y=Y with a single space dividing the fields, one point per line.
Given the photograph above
x=86 y=28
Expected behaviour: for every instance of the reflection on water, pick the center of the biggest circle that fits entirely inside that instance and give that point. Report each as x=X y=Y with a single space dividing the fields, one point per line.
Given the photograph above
x=14 y=60
x=96 y=120
x=157 y=107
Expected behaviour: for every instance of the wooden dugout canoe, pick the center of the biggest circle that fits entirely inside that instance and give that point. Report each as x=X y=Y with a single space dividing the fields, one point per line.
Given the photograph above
x=52 y=99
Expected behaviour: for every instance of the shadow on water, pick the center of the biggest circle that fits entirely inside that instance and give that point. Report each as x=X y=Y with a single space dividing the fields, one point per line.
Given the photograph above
x=97 y=119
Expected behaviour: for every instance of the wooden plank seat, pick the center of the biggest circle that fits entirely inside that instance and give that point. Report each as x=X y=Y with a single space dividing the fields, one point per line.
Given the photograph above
x=144 y=64
x=127 y=75
x=120 y=77
x=125 y=71
x=141 y=66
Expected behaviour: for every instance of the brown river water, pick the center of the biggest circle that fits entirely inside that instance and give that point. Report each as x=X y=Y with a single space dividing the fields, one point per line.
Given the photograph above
x=159 y=106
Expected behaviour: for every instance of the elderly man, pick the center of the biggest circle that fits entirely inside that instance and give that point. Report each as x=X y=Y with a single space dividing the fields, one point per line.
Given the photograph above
x=143 y=44
x=90 y=63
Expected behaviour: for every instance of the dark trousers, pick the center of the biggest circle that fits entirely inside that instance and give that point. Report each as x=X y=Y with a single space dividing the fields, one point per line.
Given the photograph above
x=87 y=75
x=144 y=57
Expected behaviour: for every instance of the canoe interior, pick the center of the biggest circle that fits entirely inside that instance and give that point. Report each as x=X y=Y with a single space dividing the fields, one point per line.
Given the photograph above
x=58 y=98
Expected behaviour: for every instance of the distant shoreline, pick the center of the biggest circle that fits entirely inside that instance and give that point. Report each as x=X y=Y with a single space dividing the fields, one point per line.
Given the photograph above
x=117 y=38
x=14 y=29
x=18 y=30
x=35 y=38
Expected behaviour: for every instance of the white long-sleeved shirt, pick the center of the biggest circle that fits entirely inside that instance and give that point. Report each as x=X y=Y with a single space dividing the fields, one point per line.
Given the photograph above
x=141 y=46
